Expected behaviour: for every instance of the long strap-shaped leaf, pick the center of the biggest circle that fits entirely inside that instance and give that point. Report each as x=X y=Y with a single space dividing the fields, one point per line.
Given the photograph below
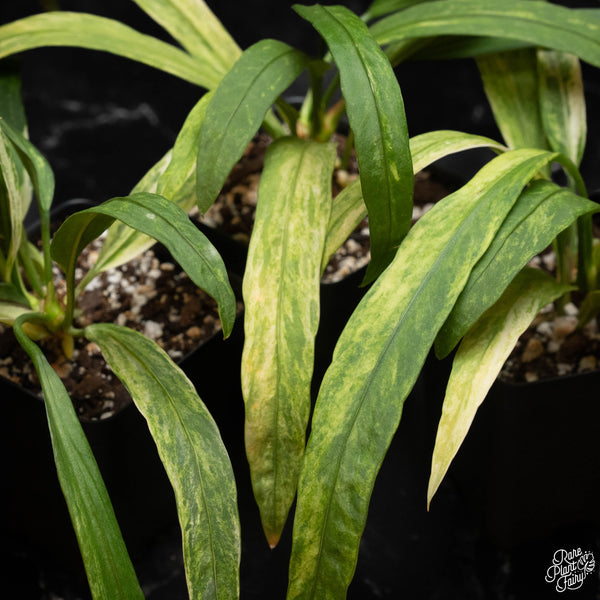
x=174 y=177
x=540 y=214
x=60 y=28
x=480 y=357
x=191 y=449
x=538 y=23
x=349 y=208
x=196 y=28
x=238 y=108
x=165 y=222
x=109 y=570
x=376 y=113
x=375 y=364
x=281 y=294
x=511 y=84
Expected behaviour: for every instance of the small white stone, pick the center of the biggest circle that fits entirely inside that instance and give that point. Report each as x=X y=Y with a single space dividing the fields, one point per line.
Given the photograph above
x=153 y=330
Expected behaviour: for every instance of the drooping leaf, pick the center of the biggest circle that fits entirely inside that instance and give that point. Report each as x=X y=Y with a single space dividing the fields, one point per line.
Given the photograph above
x=281 y=295
x=349 y=209
x=238 y=108
x=192 y=452
x=542 y=211
x=36 y=165
x=108 y=567
x=376 y=114
x=511 y=84
x=13 y=205
x=174 y=177
x=195 y=27
x=480 y=357
x=165 y=222
x=61 y=28
x=532 y=21
x=375 y=364
x=562 y=103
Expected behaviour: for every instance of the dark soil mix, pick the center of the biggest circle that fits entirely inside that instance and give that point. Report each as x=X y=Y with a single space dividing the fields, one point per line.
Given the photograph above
x=149 y=295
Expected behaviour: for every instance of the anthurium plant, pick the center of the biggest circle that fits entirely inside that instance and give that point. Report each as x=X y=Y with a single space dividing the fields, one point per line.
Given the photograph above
x=186 y=436
x=458 y=275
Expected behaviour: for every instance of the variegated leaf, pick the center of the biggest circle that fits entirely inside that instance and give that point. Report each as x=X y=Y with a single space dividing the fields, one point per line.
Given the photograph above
x=376 y=114
x=192 y=452
x=109 y=570
x=511 y=84
x=195 y=27
x=238 y=108
x=165 y=222
x=62 y=28
x=281 y=295
x=541 y=213
x=480 y=357
x=349 y=209
x=375 y=364
x=562 y=103
x=532 y=21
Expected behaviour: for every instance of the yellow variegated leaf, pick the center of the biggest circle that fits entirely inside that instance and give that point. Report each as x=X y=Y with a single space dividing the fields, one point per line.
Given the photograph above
x=281 y=294
x=480 y=357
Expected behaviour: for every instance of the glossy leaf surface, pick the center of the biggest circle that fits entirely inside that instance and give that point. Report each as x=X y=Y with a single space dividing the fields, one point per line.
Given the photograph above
x=480 y=357
x=376 y=114
x=61 y=28
x=281 y=295
x=165 y=222
x=108 y=567
x=541 y=213
x=376 y=363
x=238 y=108
x=532 y=21
x=192 y=452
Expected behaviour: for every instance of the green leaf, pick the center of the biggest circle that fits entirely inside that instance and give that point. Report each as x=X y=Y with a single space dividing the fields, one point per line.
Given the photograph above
x=10 y=293
x=174 y=177
x=193 y=454
x=196 y=28
x=36 y=165
x=281 y=295
x=11 y=107
x=10 y=308
x=480 y=357
x=376 y=114
x=165 y=222
x=532 y=21
x=238 y=108
x=590 y=307
x=376 y=363
x=379 y=8
x=61 y=28
x=562 y=103
x=13 y=203
x=108 y=567
x=349 y=209
x=511 y=85
x=542 y=211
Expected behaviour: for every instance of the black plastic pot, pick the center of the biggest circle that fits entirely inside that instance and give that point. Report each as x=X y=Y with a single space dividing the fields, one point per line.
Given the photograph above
x=35 y=525
x=529 y=471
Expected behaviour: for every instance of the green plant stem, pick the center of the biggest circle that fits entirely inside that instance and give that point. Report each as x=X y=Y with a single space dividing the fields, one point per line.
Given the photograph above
x=31 y=273
x=273 y=126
